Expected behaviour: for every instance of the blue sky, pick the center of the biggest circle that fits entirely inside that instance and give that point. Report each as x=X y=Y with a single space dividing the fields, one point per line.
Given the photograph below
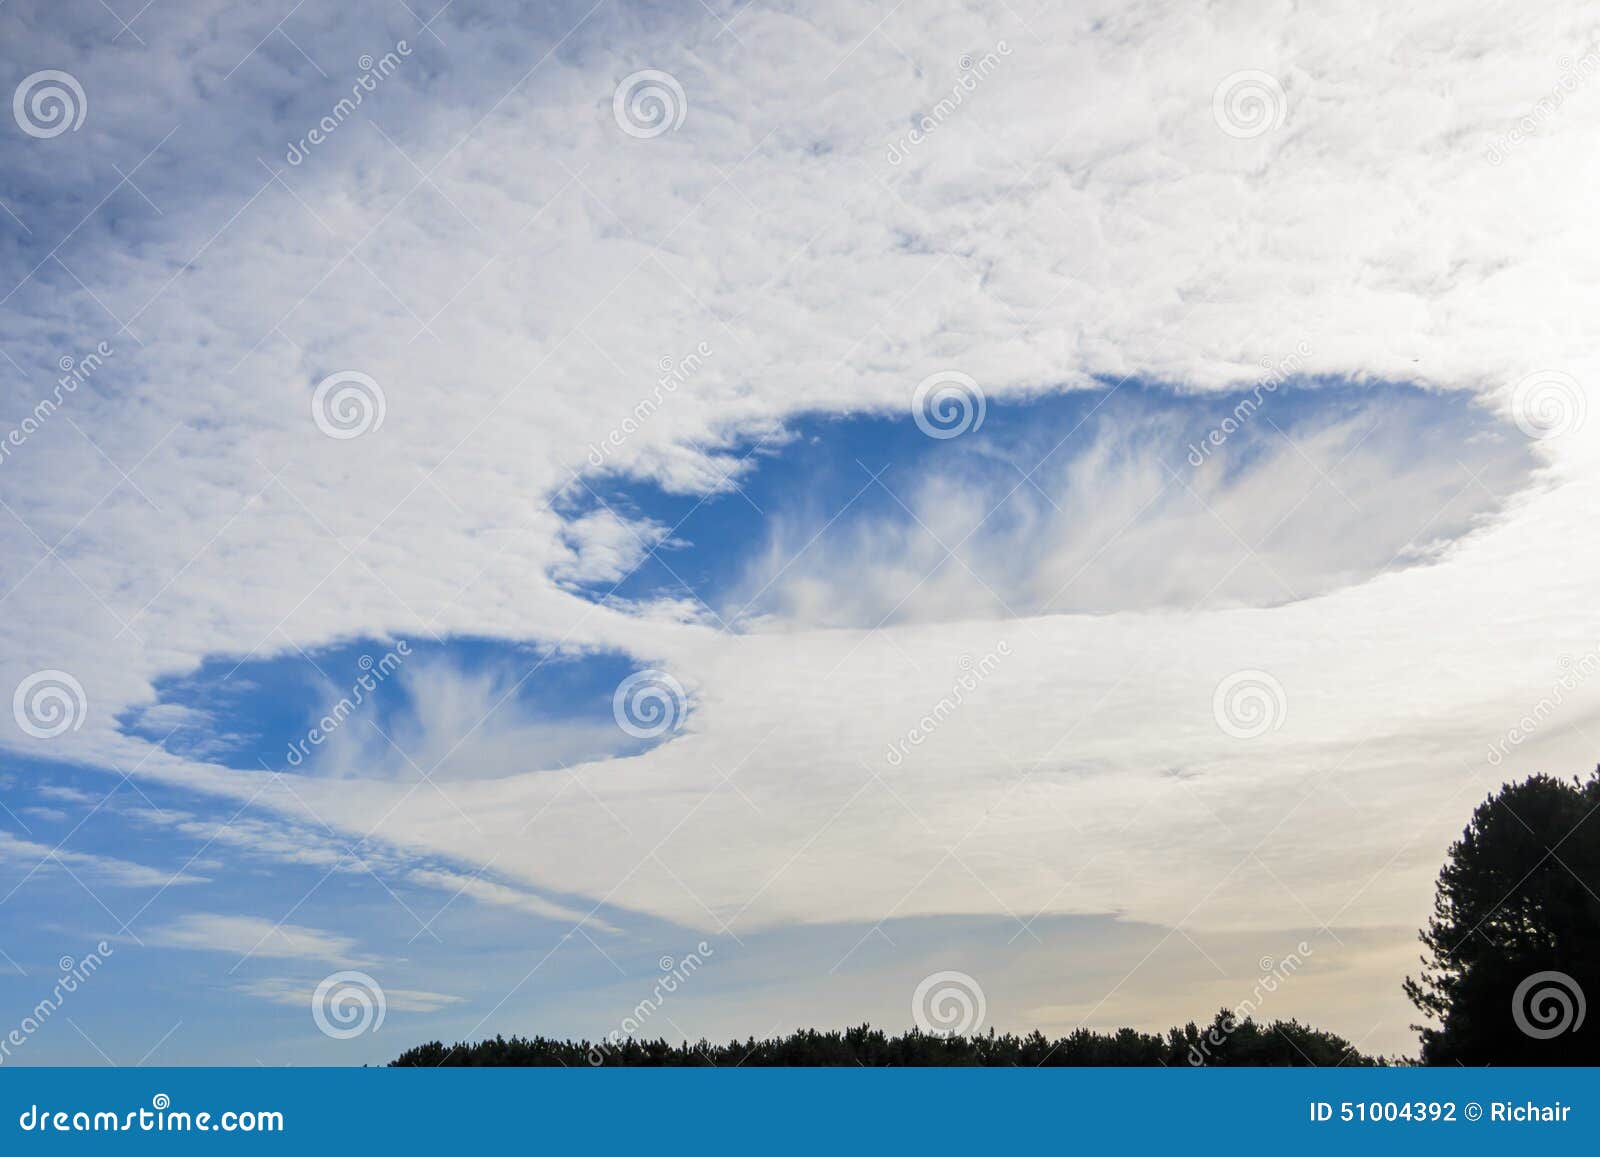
x=1194 y=498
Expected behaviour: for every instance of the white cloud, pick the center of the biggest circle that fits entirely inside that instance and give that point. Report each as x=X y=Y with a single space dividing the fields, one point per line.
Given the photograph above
x=101 y=869
x=66 y=794
x=254 y=936
x=298 y=994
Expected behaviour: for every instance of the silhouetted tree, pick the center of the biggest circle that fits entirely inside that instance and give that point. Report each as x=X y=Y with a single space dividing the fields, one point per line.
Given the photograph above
x=1225 y=1042
x=1514 y=942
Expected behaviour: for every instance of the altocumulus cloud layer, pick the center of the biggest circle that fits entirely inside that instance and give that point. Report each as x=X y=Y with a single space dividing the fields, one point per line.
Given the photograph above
x=502 y=259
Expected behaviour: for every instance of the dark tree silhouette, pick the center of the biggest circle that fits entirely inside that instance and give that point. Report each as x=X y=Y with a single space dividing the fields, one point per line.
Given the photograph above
x=1514 y=941
x=1225 y=1041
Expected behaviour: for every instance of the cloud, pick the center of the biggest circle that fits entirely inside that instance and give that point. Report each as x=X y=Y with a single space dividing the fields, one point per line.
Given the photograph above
x=102 y=869
x=298 y=994
x=65 y=794
x=489 y=892
x=1321 y=494
x=255 y=936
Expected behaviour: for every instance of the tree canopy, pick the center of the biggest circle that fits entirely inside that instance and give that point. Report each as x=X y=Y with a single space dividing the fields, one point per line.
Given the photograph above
x=1226 y=1041
x=1514 y=942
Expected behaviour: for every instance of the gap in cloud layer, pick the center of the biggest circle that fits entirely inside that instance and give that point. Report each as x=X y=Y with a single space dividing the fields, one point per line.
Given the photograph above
x=394 y=709
x=1133 y=498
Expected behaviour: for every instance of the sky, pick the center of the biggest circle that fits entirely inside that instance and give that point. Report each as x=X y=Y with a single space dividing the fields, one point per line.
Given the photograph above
x=1043 y=511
